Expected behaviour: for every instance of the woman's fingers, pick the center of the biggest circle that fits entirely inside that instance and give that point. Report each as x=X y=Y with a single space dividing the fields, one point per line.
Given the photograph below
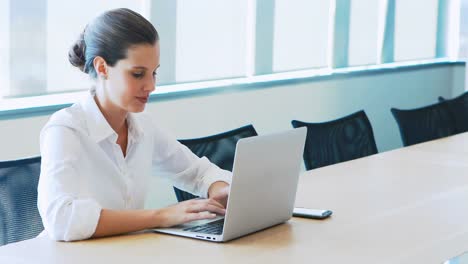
x=215 y=209
x=216 y=203
x=200 y=216
x=210 y=201
x=191 y=210
x=205 y=205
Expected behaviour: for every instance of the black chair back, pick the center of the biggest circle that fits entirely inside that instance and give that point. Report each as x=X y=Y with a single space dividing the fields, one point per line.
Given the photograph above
x=19 y=216
x=343 y=139
x=458 y=106
x=425 y=123
x=219 y=149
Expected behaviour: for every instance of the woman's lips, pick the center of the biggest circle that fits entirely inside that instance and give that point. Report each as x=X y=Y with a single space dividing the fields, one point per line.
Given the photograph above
x=143 y=100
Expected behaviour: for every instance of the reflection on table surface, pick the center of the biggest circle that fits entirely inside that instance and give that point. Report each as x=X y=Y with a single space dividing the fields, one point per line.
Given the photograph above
x=461 y=259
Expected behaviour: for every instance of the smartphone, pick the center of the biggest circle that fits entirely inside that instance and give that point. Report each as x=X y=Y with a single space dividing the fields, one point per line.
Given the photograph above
x=311 y=213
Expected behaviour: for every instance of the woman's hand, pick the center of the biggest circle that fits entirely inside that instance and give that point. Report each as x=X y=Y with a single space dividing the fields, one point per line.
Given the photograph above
x=187 y=211
x=219 y=191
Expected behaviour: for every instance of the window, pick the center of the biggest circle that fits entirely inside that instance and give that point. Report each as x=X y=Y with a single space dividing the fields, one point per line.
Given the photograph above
x=27 y=48
x=363 y=32
x=4 y=46
x=300 y=34
x=41 y=33
x=65 y=22
x=211 y=39
x=464 y=30
x=415 y=29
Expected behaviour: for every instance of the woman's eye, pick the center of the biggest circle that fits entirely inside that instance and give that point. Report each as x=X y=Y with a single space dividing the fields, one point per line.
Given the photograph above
x=138 y=75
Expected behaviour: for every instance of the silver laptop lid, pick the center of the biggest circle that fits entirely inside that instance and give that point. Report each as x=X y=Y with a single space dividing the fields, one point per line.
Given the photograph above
x=264 y=184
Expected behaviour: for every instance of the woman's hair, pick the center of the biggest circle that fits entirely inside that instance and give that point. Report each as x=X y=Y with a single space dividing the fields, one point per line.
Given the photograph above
x=110 y=35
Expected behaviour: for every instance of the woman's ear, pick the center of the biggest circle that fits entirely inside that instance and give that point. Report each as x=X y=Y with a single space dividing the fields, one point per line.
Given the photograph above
x=100 y=66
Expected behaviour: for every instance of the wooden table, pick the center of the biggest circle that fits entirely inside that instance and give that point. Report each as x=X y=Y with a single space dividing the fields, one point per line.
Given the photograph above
x=404 y=206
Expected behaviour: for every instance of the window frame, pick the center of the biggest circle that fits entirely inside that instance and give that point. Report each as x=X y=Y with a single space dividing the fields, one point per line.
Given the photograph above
x=259 y=71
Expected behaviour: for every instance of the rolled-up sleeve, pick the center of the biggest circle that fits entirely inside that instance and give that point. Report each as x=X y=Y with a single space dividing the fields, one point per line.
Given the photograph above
x=188 y=172
x=66 y=211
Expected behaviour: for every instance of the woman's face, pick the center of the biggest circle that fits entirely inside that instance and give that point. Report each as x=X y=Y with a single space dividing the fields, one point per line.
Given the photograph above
x=131 y=80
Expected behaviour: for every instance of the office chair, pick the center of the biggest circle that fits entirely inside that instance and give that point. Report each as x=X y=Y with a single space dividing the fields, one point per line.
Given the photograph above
x=425 y=123
x=219 y=149
x=339 y=140
x=458 y=107
x=19 y=216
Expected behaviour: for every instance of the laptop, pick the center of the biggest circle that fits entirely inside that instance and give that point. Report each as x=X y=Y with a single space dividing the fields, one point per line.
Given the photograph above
x=263 y=190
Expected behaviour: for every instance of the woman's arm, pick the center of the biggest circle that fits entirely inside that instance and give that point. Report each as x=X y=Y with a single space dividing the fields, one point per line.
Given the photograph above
x=187 y=171
x=114 y=222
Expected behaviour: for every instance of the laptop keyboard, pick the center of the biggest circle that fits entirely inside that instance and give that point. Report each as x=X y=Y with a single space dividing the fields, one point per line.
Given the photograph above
x=213 y=228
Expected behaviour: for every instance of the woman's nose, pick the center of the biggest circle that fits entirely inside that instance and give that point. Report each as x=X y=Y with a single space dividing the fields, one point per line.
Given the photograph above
x=150 y=85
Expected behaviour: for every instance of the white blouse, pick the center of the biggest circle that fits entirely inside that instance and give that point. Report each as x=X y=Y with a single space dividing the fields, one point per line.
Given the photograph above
x=83 y=169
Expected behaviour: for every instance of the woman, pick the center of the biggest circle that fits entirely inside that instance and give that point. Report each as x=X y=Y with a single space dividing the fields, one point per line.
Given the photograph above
x=98 y=154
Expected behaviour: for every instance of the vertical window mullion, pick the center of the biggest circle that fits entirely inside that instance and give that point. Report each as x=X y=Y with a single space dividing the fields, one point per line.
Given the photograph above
x=341 y=33
x=388 y=41
x=163 y=15
x=264 y=30
x=448 y=30
x=442 y=22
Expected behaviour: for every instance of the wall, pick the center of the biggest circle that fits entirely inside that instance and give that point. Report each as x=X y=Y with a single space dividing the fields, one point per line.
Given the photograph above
x=271 y=108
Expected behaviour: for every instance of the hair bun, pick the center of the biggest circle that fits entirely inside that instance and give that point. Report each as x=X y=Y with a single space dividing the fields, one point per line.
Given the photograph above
x=76 y=54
